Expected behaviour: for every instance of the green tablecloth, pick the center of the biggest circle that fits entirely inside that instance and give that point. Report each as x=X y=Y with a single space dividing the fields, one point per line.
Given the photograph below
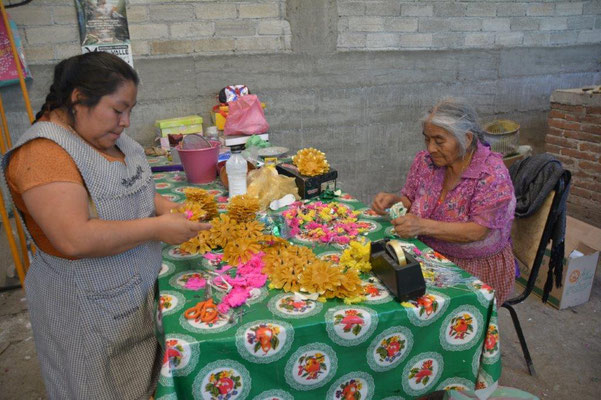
x=286 y=348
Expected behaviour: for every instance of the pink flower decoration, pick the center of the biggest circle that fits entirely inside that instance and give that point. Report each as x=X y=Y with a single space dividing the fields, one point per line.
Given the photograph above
x=256 y=280
x=222 y=199
x=195 y=283
x=236 y=297
x=223 y=307
x=223 y=269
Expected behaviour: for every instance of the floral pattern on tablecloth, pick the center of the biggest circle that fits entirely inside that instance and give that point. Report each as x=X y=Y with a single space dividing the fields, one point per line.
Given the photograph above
x=171 y=301
x=285 y=305
x=311 y=366
x=492 y=343
x=275 y=394
x=375 y=292
x=461 y=329
x=350 y=325
x=357 y=385
x=428 y=308
x=179 y=359
x=176 y=254
x=264 y=341
x=389 y=348
x=422 y=372
x=222 y=380
x=456 y=383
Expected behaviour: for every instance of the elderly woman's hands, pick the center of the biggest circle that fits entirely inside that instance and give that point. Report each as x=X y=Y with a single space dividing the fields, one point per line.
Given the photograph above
x=384 y=200
x=408 y=226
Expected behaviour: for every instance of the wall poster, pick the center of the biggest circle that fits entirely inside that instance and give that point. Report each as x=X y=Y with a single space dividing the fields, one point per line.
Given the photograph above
x=103 y=27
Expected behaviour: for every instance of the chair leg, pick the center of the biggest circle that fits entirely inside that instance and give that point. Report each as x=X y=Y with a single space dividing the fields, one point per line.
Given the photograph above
x=518 y=330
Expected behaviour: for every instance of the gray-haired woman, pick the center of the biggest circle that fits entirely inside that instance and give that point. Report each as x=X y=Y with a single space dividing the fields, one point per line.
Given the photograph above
x=460 y=197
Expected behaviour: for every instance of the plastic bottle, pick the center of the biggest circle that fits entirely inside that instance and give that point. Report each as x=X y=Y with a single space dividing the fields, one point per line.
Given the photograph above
x=236 y=169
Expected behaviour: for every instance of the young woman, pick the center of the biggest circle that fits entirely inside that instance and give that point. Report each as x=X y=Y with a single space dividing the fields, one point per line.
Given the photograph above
x=87 y=197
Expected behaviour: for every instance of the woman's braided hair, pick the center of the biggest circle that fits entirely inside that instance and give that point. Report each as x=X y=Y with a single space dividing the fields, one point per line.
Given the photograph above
x=94 y=74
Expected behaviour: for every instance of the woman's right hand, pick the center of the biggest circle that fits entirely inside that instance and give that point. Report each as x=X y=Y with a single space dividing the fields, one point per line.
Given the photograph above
x=176 y=229
x=384 y=200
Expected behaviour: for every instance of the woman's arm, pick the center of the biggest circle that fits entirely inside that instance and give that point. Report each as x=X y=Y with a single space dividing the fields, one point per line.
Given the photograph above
x=458 y=232
x=61 y=211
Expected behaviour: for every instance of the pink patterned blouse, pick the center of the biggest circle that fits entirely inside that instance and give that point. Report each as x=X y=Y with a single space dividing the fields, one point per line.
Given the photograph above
x=484 y=195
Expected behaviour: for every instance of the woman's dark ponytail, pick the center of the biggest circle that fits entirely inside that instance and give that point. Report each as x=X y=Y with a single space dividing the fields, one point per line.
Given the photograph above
x=94 y=74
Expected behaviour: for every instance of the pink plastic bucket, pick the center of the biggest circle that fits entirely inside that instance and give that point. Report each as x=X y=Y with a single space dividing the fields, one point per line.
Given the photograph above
x=200 y=165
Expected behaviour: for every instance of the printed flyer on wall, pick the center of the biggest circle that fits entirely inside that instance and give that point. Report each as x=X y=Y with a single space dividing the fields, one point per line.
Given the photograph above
x=103 y=27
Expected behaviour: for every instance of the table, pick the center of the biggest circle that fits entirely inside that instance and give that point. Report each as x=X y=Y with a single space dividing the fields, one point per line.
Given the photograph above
x=286 y=348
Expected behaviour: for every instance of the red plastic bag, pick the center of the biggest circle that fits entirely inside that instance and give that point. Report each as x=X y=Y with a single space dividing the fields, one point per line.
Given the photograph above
x=245 y=117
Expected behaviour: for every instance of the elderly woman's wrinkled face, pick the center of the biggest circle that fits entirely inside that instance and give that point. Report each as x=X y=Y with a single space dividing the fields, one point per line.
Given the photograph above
x=442 y=145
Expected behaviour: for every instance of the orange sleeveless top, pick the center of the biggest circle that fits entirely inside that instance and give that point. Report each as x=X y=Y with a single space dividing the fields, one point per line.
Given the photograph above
x=39 y=162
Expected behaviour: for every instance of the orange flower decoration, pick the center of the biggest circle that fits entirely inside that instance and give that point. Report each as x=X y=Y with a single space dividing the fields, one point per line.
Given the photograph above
x=204 y=199
x=240 y=251
x=311 y=162
x=243 y=208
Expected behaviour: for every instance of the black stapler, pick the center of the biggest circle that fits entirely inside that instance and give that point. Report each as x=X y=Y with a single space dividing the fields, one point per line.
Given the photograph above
x=397 y=270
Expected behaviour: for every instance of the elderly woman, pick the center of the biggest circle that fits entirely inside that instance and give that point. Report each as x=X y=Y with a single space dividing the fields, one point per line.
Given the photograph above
x=460 y=197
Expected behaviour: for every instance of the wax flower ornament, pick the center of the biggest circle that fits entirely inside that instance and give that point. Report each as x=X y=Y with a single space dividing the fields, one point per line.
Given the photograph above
x=243 y=208
x=311 y=162
x=204 y=199
x=323 y=222
x=192 y=211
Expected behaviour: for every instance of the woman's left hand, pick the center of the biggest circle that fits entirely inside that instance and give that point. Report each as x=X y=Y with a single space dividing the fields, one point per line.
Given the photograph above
x=408 y=226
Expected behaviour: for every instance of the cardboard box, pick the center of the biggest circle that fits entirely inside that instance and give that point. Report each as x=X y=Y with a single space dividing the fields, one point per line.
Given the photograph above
x=582 y=248
x=309 y=186
x=179 y=126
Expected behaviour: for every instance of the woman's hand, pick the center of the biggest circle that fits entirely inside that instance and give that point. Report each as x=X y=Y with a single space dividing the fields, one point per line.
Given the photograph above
x=176 y=229
x=408 y=226
x=384 y=200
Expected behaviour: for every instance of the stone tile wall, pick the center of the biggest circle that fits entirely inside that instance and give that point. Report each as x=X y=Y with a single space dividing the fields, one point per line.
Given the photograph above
x=451 y=24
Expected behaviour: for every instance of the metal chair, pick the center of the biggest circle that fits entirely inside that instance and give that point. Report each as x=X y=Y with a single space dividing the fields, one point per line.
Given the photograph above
x=530 y=237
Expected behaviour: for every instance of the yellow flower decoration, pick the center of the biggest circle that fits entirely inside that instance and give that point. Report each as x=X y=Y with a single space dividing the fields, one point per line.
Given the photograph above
x=285 y=278
x=222 y=228
x=243 y=208
x=240 y=251
x=194 y=210
x=199 y=244
x=350 y=284
x=320 y=276
x=192 y=246
x=204 y=198
x=357 y=256
x=249 y=230
x=311 y=162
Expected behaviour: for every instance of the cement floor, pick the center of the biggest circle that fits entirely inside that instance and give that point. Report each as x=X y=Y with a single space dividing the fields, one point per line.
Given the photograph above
x=565 y=346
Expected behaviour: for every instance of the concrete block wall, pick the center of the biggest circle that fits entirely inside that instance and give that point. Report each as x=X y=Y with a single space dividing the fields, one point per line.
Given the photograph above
x=574 y=137
x=162 y=28
x=360 y=107
x=458 y=24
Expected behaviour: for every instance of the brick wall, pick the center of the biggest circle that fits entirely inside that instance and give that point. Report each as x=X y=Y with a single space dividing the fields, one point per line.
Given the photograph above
x=454 y=24
x=574 y=137
x=157 y=28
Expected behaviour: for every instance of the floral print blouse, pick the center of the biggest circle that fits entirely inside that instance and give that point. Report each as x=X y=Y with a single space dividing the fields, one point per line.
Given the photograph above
x=484 y=195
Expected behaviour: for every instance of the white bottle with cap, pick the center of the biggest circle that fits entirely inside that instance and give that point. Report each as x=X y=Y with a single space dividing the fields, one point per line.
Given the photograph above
x=236 y=169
